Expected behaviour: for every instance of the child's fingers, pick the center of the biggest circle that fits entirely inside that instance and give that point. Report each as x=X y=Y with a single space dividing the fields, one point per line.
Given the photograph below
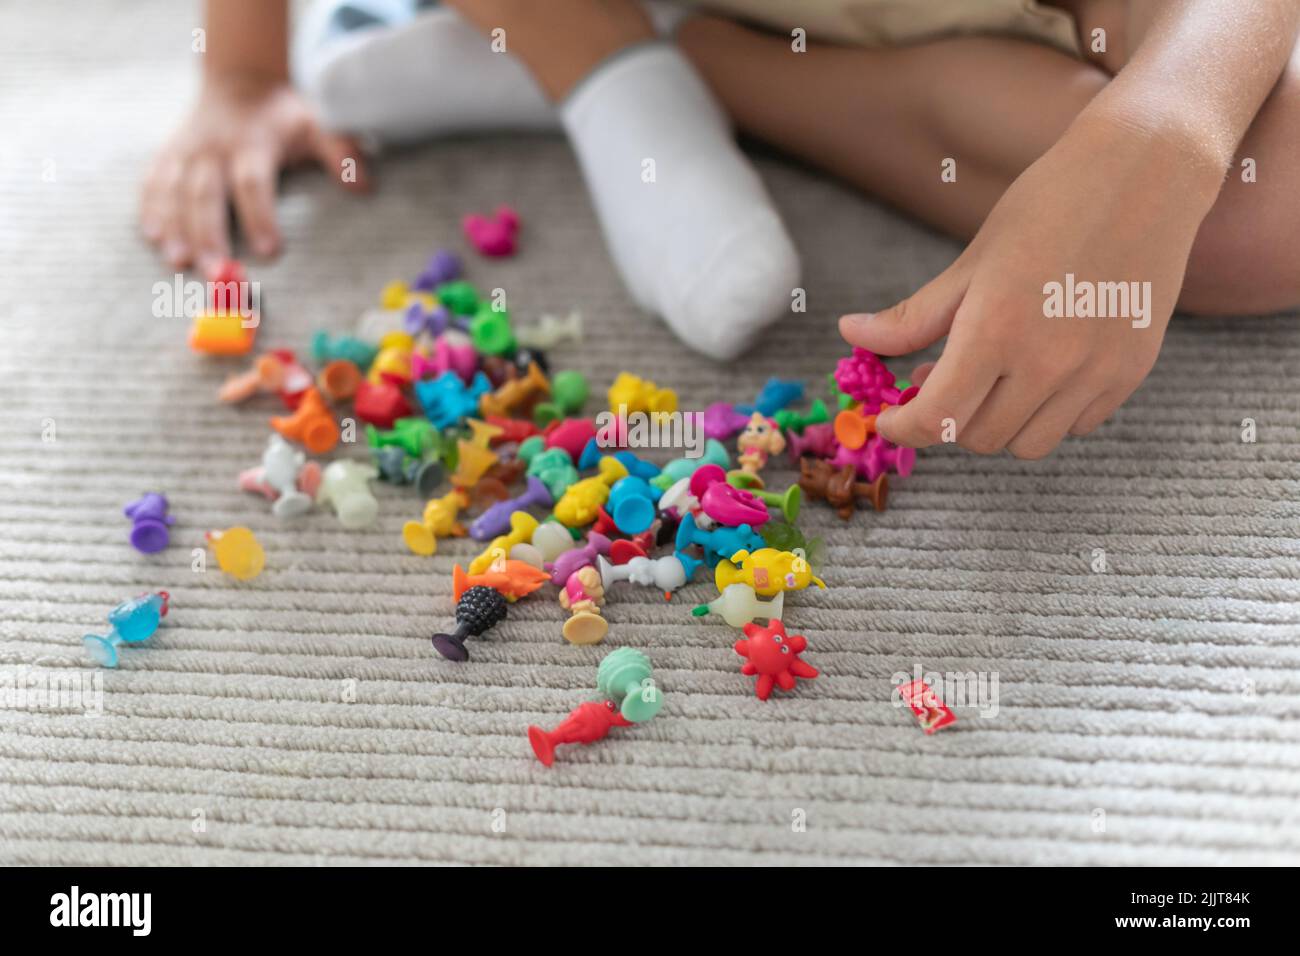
x=1009 y=405
x=1101 y=409
x=1049 y=425
x=252 y=186
x=205 y=213
x=912 y=324
x=171 y=212
x=921 y=373
x=150 y=206
x=953 y=392
x=340 y=156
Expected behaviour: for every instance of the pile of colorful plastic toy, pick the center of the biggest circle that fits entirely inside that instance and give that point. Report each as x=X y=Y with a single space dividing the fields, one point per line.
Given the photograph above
x=462 y=406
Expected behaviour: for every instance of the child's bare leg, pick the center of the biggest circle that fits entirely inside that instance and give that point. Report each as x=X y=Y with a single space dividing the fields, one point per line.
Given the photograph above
x=886 y=119
x=688 y=222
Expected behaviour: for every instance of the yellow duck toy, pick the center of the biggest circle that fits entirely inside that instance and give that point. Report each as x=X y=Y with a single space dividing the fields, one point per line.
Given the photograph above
x=767 y=570
x=438 y=521
x=582 y=501
x=636 y=394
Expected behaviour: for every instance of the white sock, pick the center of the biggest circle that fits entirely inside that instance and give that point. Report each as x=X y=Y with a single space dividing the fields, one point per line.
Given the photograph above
x=404 y=78
x=701 y=245
x=431 y=75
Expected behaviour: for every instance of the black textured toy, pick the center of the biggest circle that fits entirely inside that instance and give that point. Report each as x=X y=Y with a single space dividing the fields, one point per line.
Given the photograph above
x=478 y=609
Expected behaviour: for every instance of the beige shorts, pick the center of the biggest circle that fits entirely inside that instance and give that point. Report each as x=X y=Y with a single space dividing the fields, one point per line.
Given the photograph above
x=899 y=22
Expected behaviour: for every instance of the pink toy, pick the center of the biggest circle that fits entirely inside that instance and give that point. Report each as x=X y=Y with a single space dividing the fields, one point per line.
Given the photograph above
x=817 y=441
x=458 y=358
x=774 y=657
x=576 y=558
x=877 y=457
x=493 y=236
x=725 y=503
x=865 y=379
x=572 y=435
x=721 y=421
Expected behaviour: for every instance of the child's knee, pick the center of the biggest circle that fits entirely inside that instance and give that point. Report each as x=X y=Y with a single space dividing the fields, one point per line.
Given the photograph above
x=1245 y=256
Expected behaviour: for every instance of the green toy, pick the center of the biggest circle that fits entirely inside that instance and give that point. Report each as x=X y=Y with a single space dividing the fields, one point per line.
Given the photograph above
x=790 y=420
x=624 y=677
x=553 y=467
x=326 y=348
x=787 y=501
x=416 y=436
x=490 y=331
x=460 y=296
x=568 y=395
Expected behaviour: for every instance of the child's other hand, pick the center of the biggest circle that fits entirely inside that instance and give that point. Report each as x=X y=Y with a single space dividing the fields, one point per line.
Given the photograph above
x=1106 y=204
x=231 y=148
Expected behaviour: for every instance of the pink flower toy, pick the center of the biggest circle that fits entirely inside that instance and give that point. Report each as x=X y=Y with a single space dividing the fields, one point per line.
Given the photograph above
x=725 y=503
x=494 y=235
x=877 y=457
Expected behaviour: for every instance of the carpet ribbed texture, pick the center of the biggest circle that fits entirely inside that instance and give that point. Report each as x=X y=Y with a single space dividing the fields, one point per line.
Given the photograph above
x=1145 y=715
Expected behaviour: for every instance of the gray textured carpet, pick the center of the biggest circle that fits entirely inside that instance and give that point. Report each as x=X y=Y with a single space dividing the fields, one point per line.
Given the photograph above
x=1159 y=698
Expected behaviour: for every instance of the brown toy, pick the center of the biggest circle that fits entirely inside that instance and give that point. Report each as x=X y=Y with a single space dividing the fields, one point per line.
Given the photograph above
x=839 y=487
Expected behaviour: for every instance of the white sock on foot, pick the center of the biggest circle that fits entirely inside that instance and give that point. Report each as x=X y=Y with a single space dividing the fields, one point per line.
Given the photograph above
x=432 y=75
x=701 y=244
x=404 y=78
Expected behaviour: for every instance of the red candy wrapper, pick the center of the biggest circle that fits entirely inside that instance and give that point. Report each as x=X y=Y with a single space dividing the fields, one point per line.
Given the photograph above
x=931 y=712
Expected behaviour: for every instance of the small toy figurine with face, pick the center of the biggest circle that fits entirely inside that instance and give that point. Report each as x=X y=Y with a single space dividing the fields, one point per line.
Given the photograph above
x=761 y=439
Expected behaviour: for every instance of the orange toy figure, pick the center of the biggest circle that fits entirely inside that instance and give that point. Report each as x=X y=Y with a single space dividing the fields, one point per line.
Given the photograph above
x=582 y=597
x=515 y=392
x=311 y=425
x=852 y=428
x=582 y=500
x=215 y=334
x=760 y=440
x=514 y=579
x=439 y=521
x=339 y=380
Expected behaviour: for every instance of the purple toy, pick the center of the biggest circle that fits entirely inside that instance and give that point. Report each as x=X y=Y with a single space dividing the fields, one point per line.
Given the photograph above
x=442 y=267
x=496 y=520
x=149 y=533
x=817 y=441
x=864 y=378
x=877 y=457
x=721 y=421
x=725 y=503
x=577 y=558
x=419 y=319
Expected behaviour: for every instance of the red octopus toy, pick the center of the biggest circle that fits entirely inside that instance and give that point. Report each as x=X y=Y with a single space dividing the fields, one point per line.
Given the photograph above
x=774 y=657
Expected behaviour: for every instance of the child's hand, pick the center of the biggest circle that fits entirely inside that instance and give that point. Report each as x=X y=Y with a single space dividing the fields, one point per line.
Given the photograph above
x=231 y=147
x=1107 y=204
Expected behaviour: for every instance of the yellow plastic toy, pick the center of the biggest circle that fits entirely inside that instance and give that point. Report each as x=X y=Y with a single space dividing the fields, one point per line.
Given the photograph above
x=472 y=463
x=393 y=296
x=522 y=526
x=637 y=394
x=582 y=501
x=238 y=553
x=481 y=433
x=767 y=570
x=393 y=358
x=214 y=334
x=439 y=521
